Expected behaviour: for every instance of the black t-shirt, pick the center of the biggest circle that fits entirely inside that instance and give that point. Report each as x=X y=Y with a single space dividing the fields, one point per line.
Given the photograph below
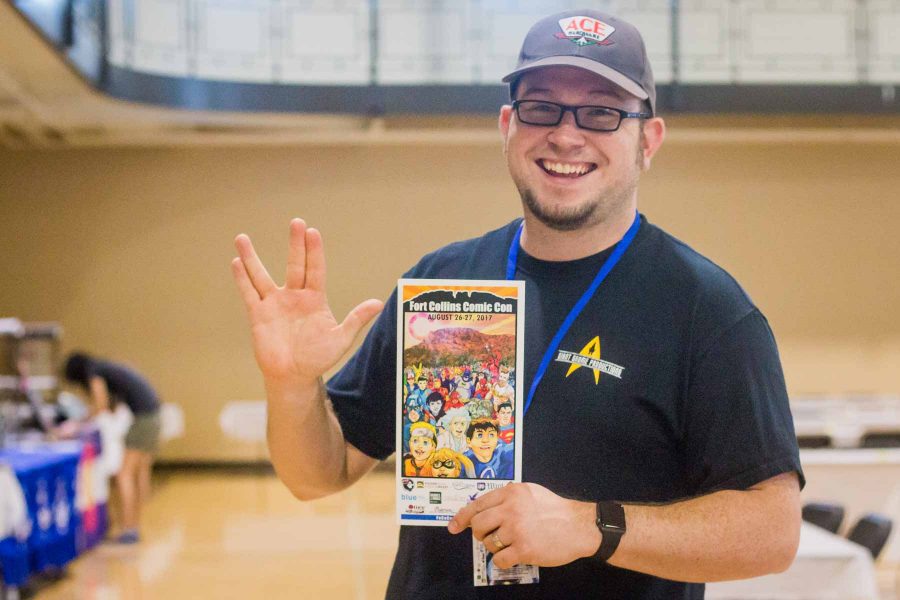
x=126 y=384
x=693 y=401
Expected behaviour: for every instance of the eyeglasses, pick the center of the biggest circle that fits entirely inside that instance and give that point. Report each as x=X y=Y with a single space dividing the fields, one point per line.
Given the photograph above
x=447 y=464
x=593 y=118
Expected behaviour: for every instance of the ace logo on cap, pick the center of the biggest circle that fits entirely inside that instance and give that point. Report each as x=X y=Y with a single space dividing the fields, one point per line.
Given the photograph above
x=585 y=31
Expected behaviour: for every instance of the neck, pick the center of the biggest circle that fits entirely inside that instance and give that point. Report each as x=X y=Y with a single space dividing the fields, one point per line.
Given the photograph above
x=546 y=243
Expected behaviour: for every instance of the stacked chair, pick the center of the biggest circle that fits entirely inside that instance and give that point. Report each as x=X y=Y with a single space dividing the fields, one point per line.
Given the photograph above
x=827 y=516
x=871 y=531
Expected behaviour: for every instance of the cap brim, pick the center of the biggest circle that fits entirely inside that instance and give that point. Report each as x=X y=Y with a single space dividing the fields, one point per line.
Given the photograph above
x=588 y=65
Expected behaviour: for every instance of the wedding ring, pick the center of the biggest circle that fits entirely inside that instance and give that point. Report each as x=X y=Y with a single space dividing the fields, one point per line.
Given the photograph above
x=496 y=539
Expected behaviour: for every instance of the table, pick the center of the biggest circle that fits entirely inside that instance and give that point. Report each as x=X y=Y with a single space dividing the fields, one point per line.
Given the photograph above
x=862 y=481
x=58 y=482
x=827 y=567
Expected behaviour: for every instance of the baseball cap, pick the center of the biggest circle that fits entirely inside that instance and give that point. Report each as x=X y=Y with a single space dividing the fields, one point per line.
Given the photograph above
x=594 y=41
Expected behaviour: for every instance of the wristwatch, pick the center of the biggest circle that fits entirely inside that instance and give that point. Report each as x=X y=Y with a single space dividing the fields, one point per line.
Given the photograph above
x=611 y=523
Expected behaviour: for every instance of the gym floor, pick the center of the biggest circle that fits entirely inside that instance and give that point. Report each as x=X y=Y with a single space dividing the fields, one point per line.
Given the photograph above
x=239 y=534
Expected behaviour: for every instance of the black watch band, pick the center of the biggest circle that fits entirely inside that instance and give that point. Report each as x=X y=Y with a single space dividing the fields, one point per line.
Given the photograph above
x=611 y=523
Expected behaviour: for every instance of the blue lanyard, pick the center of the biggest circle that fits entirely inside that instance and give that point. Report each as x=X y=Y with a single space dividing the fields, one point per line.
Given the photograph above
x=608 y=266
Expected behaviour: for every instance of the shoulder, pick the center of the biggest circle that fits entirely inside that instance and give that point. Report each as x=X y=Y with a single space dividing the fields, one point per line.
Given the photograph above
x=707 y=295
x=103 y=368
x=480 y=257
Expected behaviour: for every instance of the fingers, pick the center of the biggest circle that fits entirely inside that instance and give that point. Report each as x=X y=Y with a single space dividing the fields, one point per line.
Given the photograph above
x=486 y=522
x=507 y=558
x=503 y=546
x=259 y=277
x=315 y=260
x=508 y=548
x=296 y=264
x=497 y=540
x=358 y=317
x=248 y=293
x=465 y=515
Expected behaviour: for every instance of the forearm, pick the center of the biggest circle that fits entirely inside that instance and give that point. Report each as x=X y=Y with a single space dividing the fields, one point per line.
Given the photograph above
x=306 y=444
x=721 y=536
x=99 y=394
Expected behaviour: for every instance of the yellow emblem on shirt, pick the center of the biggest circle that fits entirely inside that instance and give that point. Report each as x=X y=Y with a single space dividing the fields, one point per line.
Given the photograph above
x=592 y=350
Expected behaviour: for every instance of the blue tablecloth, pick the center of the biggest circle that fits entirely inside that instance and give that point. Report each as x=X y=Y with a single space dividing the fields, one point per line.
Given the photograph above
x=47 y=474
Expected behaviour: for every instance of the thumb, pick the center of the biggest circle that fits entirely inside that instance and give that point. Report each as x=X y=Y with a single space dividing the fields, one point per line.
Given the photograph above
x=358 y=318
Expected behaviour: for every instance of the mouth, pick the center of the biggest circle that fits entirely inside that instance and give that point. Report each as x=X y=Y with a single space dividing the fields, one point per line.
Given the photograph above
x=567 y=170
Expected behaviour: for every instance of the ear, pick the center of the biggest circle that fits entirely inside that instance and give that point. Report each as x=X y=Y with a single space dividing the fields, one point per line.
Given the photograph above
x=654 y=134
x=506 y=112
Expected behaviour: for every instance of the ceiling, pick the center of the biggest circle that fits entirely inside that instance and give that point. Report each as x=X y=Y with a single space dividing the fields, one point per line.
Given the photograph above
x=44 y=104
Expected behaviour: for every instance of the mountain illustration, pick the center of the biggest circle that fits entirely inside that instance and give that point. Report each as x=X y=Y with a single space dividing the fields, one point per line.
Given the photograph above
x=457 y=346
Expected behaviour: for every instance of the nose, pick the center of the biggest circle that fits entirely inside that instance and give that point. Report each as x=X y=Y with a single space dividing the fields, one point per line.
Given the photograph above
x=566 y=135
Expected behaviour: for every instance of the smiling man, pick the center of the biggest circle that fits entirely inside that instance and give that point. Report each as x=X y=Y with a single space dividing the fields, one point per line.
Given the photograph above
x=658 y=445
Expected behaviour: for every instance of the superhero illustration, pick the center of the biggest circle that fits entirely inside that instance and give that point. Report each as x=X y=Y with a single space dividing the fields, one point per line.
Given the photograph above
x=507 y=426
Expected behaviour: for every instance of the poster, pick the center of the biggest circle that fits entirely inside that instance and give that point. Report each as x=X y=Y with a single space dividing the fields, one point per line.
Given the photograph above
x=459 y=365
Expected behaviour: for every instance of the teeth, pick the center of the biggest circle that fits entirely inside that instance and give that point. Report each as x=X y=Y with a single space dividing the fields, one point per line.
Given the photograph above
x=564 y=168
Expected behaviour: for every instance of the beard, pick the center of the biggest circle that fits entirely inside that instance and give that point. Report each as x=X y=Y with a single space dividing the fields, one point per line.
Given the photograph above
x=562 y=219
x=595 y=209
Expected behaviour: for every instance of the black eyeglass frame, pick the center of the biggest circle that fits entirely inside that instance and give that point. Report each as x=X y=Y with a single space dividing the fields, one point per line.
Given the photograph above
x=564 y=108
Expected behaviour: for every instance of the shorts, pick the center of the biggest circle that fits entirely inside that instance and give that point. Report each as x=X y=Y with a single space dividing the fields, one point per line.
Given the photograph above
x=143 y=434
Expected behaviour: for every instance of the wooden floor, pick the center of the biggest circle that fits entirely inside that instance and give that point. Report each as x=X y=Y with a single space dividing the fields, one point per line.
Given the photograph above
x=225 y=535
x=211 y=535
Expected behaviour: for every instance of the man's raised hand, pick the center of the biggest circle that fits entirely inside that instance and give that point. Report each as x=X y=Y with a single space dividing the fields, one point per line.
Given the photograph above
x=296 y=338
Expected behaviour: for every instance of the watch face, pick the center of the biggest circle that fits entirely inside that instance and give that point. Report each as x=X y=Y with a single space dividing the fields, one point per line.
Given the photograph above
x=611 y=517
x=611 y=521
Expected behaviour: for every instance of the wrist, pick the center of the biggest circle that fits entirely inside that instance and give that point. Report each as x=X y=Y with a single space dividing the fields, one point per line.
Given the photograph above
x=591 y=536
x=610 y=521
x=278 y=388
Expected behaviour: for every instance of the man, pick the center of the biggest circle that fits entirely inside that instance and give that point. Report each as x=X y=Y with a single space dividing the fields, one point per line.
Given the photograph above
x=103 y=380
x=492 y=458
x=658 y=448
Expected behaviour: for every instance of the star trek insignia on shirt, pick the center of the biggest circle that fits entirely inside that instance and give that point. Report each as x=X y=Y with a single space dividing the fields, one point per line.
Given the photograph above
x=589 y=357
x=585 y=31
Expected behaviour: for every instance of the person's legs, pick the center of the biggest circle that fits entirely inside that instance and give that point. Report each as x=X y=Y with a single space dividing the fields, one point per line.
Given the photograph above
x=141 y=442
x=126 y=482
x=144 y=471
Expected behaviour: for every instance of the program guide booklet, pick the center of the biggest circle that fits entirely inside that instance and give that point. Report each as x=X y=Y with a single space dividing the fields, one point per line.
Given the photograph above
x=460 y=347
